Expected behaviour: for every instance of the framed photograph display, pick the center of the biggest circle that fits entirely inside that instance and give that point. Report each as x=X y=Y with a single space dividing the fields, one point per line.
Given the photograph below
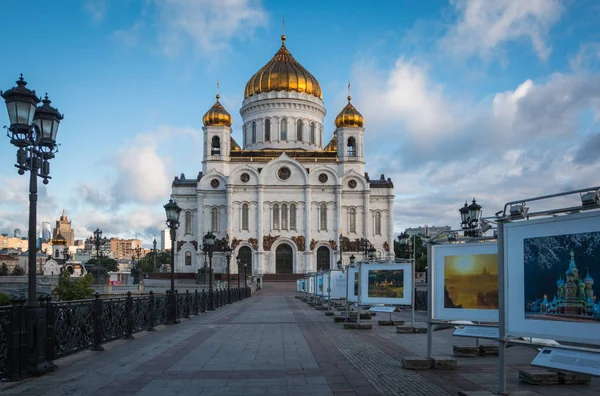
x=319 y=279
x=389 y=283
x=311 y=284
x=325 y=284
x=352 y=284
x=338 y=285
x=550 y=269
x=465 y=281
x=303 y=285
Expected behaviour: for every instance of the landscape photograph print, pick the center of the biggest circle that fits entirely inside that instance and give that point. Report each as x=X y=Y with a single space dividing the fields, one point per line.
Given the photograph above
x=471 y=281
x=559 y=273
x=386 y=283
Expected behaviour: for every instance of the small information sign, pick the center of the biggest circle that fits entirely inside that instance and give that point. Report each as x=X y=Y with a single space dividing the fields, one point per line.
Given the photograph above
x=569 y=360
x=477 y=332
x=383 y=309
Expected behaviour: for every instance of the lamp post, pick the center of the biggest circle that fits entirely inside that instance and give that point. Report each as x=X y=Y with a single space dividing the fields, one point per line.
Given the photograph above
x=209 y=245
x=227 y=250
x=245 y=280
x=98 y=241
x=352 y=264
x=405 y=239
x=470 y=217
x=239 y=261
x=33 y=132
x=172 y=210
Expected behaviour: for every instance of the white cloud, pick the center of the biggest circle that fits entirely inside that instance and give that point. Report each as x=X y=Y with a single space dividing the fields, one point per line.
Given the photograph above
x=205 y=26
x=96 y=9
x=484 y=26
x=588 y=54
x=519 y=143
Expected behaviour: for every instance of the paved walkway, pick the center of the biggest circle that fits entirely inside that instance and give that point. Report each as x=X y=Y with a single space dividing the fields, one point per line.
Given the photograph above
x=274 y=344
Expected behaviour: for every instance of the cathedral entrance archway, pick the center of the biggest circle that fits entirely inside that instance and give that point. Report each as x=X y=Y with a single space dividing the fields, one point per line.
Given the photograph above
x=245 y=256
x=284 y=259
x=323 y=259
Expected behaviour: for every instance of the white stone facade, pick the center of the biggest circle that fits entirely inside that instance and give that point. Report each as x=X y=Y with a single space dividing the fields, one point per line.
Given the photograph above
x=285 y=196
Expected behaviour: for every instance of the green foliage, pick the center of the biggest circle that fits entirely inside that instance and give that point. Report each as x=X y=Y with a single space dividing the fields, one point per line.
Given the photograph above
x=111 y=265
x=404 y=251
x=18 y=270
x=3 y=270
x=74 y=288
x=146 y=263
x=4 y=299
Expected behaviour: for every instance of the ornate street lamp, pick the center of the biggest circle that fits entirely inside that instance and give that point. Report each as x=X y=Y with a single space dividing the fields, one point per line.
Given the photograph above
x=239 y=262
x=172 y=210
x=368 y=249
x=245 y=280
x=154 y=251
x=33 y=132
x=97 y=240
x=469 y=216
x=208 y=248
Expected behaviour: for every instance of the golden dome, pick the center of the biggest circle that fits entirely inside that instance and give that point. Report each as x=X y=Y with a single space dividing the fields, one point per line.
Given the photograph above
x=349 y=117
x=217 y=115
x=283 y=73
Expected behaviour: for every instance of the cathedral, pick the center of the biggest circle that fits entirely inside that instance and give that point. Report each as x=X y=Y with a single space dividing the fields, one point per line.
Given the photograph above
x=287 y=201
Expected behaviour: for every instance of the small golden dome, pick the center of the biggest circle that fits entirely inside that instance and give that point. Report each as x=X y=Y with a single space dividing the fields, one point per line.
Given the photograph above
x=217 y=115
x=349 y=117
x=283 y=73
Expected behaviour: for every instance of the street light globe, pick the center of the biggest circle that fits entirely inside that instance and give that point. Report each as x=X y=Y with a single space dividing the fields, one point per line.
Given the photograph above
x=21 y=103
x=47 y=119
x=172 y=210
x=209 y=239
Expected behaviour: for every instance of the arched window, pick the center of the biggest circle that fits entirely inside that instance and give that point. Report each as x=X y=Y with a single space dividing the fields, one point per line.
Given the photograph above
x=188 y=222
x=352 y=220
x=276 y=216
x=215 y=146
x=312 y=133
x=299 y=126
x=377 y=223
x=351 y=147
x=292 y=216
x=284 y=126
x=214 y=220
x=284 y=217
x=57 y=253
x=245 y=217
x=267 y=130
x=188 y=258
x=253 y=132
x=323 y=222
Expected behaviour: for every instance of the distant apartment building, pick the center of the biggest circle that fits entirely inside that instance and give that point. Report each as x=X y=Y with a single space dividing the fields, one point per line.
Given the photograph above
x=64 y=228
x=123 y=249
x=7 y=242
x=427 y=230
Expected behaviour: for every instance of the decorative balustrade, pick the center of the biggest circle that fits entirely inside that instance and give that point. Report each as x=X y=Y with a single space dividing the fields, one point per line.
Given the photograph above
x=87 y=324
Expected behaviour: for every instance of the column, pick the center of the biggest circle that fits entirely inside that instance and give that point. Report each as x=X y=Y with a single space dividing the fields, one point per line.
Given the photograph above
x=229 y=209
x=390 y=237
x=338 y=218
x=260 y=267
x=200 y=226
x=307 y=231
x=366 y=214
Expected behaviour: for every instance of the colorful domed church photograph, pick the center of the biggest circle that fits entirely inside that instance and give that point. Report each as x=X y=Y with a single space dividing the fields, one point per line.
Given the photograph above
x=559 y=277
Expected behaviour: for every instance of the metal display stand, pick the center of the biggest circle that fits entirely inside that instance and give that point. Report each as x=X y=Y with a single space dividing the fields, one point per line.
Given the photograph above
x=521 y=213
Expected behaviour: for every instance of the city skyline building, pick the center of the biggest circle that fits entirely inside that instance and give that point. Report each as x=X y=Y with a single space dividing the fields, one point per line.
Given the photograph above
x=64 y=228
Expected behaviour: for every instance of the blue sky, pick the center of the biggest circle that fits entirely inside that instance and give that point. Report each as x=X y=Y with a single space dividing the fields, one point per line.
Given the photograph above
x=498 y=100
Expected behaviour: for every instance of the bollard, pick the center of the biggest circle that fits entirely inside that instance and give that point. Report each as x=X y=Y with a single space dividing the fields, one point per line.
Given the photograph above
x=203 y=301
x=128 y=317
x=97 y=316
x=50 y=330
x=176 y=306
x=187 y=305
x=195 y=302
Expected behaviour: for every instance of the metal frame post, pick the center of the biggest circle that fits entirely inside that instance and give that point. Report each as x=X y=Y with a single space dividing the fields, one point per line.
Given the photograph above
x=429 y=297
x=501 y=311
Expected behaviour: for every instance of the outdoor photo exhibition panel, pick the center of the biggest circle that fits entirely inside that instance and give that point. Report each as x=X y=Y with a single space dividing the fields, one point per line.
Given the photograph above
x=311 y=285
x=319 y=280
x=550 y=265
x=352 y=284
x=386 y=284
x=325 y=284
x=303 y=285
x=465 y=282
x=338 y=285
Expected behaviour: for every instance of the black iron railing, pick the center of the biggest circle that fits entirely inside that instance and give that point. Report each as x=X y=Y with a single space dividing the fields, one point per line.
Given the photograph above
x=87 y=324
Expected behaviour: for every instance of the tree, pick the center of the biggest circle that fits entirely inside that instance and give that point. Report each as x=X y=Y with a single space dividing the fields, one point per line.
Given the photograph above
x=420 y=252
x=17 y=271
x=74 y=288
x=146 y=263
x=111 y=265
x=3 y=270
